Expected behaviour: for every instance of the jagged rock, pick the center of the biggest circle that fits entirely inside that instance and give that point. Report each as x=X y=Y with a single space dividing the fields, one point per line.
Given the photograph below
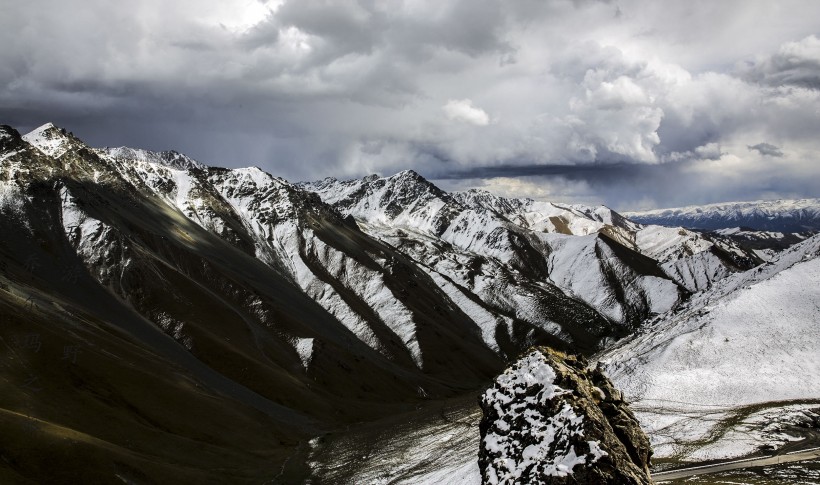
x=548 y=419
x=9 y=138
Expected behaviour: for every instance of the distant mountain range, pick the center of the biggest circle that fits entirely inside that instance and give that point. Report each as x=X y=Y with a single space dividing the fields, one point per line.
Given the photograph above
x=237 y=318
x=766 y=215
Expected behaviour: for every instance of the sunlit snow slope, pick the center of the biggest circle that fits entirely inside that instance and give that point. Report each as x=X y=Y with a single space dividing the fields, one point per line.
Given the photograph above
x=753 y=338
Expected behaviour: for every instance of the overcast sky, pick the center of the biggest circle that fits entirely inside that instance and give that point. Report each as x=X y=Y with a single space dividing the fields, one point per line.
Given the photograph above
x=635 y=104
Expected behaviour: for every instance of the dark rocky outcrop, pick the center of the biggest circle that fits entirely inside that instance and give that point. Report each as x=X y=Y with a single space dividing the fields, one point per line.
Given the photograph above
x=548 y=419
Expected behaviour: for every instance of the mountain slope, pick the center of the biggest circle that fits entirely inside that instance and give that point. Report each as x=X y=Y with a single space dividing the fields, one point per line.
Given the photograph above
x=507 y=265
x=293 y=233
x=622 y=270
x=245 y=289
x=135 y=285
x=691 y=259
x=541 y=216
x=91 y=388
x=749 y=340
x=481 y=260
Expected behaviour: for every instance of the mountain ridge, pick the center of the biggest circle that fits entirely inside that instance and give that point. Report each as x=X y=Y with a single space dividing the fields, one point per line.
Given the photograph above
x=300 y=309
x=797 y=215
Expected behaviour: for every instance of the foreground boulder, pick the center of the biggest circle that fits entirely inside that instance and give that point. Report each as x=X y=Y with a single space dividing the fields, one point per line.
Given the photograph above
x=550 y=420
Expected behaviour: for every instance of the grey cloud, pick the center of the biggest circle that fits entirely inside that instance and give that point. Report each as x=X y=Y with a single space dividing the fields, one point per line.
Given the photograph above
x=473 y=28
x=340 y=29
x=591 y=58
x=627 y=187
x=310 y=88
x=767 y=149
x=794 y=64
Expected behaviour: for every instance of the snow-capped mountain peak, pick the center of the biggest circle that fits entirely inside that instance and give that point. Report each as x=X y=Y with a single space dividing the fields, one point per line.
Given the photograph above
x=397 y=199
x=50 y=139
x=168 y=158
x=479 y=198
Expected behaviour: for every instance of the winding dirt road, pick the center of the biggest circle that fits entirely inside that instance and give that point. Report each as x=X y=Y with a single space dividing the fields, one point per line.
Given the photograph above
x=812 y=454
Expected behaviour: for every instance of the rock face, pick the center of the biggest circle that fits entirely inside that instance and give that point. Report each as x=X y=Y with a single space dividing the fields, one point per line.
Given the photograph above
x=550 y=420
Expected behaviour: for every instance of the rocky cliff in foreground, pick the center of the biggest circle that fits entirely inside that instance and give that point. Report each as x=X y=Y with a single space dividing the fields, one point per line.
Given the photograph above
x=550 y=420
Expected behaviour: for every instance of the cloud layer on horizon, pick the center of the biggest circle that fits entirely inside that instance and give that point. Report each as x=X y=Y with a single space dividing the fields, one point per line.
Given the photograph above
x=619 y=102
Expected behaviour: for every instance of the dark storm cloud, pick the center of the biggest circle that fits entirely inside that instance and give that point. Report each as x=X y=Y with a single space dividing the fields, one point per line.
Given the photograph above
x=478 y=91
x=467 y=26
x=569 y=172
x=767 y=149
x=630 y=186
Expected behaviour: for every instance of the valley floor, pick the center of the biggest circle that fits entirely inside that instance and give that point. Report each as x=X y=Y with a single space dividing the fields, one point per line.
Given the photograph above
x=796 y=473
x=795 y=467
x=776 y=442
x=435 y=444
x=438 y=444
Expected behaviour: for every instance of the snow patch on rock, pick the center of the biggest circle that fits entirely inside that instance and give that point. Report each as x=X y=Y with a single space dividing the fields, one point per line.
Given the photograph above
x=84 y=232
x=540 y=444
x=11 y=198
x=304 y=347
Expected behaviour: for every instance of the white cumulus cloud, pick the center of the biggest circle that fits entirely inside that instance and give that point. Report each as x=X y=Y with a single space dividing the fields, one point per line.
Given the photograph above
x=463 y=110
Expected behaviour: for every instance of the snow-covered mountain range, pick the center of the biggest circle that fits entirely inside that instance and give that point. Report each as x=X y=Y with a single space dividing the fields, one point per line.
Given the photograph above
x=153 y=284
x=516 y=253
x=765 y=215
